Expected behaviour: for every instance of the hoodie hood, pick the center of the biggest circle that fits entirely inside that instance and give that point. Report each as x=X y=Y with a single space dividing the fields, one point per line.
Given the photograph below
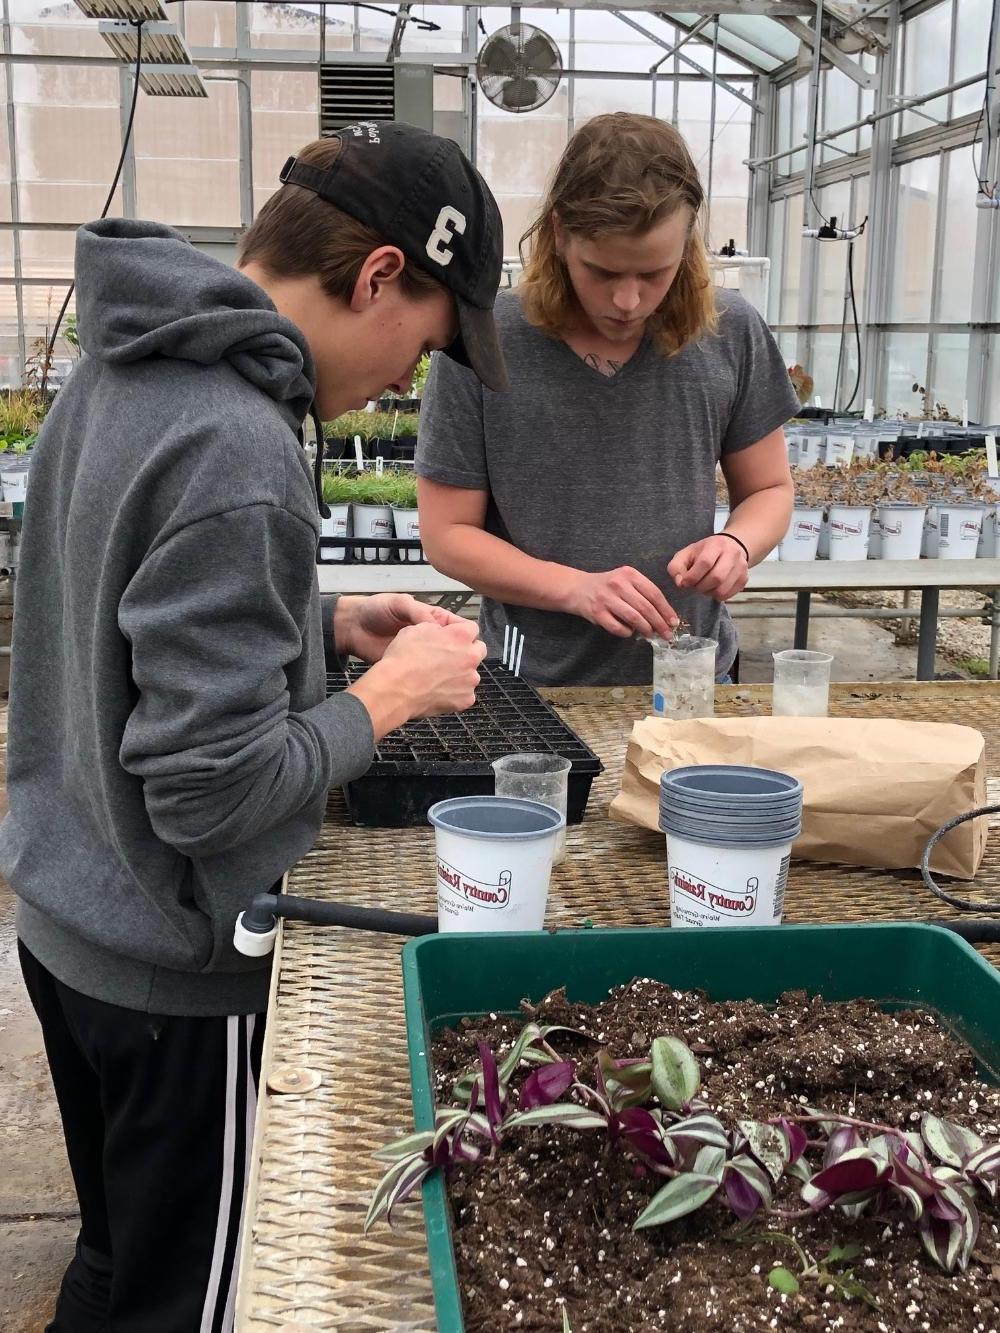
x=142 y=290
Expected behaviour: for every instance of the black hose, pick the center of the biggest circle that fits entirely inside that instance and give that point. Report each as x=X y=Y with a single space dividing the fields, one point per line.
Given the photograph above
x=267 y=906
x=962 y=904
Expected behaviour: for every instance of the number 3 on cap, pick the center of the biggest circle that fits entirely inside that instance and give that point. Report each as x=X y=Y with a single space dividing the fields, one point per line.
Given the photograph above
x=450 y=223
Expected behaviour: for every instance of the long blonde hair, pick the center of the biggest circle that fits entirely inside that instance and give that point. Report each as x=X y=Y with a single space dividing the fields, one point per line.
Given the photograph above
x=621 y=173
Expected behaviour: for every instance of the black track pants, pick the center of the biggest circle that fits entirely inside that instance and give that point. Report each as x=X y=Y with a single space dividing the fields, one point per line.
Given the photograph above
x=158 y=1117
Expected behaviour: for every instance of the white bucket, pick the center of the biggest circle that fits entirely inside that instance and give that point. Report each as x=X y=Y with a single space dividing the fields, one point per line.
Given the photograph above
x=373 y=521
x=801 y=541
x=337 y=525
x=771 y=556
x=849 y=529
x=810 y=451
x=407 y=525
x=959 y=528
x=726 y=886
x=494 y=862
x=902 y=530
x=721 y=518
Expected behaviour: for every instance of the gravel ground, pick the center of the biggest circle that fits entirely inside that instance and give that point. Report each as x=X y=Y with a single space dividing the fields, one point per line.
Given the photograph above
x=959 y=641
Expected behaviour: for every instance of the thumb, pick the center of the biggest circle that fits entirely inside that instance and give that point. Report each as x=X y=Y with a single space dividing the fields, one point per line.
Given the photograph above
x=681 y=563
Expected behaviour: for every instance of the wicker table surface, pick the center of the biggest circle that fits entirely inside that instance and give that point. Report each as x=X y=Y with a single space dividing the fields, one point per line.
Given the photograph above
x=335 y=1081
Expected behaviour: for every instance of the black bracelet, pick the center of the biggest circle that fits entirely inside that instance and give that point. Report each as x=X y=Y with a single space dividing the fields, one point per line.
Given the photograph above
x=733 y=537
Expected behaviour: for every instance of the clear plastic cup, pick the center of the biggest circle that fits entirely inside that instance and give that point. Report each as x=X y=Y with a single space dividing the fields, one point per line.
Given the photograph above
x=684 y=677
x=801 y=683
x=536 y=777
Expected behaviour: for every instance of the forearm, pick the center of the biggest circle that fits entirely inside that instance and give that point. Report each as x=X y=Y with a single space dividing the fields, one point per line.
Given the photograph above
x=499 y=570
x=761 y=520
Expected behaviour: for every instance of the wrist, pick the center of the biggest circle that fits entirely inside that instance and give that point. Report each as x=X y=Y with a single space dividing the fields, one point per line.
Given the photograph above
x=738 y=540
x=345 y=619
x=385 y=692
x=572 y=591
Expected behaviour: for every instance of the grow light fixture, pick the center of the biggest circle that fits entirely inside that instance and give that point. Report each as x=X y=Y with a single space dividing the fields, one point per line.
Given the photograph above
x=147 y=10
x=170 y=71
x=172 y=81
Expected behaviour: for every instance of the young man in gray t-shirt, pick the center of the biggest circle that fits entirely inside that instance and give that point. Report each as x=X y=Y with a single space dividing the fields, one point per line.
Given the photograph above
x=580 y=503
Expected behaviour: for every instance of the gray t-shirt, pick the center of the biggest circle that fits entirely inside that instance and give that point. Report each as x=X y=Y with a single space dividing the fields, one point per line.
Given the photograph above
x=595 y=472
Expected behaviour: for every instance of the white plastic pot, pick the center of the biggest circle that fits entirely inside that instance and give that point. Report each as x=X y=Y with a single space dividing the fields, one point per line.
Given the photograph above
x=407 y=526
x=15 y=485
x=337 y=525
x=850 y=526
x=373 y=521
x=494 y=862
x=810 y=451
x=772 y=556
x=839 y=450
x=726 y=886
x=901 y=527
x=959 y=528
x=721 y=518
x=801 y=541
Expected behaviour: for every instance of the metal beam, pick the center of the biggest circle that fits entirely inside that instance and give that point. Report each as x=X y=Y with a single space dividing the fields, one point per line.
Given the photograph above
x=399 y=27
x=852 y=68
x=689 y=34
x=876 y=116
x=881 y=235
x=812 y=129
x=658 y=41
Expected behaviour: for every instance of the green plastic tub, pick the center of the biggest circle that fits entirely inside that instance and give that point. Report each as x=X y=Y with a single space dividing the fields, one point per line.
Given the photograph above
x=449 y=977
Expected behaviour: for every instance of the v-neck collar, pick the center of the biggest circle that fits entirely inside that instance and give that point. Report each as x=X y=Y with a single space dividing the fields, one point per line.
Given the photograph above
x=608 y=381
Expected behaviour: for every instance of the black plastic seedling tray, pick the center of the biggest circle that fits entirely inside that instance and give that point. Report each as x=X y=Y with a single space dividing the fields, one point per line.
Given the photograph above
x=441 y=757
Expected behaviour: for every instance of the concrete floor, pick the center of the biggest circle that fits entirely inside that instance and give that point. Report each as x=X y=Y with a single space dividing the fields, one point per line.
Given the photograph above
x=37 y=1217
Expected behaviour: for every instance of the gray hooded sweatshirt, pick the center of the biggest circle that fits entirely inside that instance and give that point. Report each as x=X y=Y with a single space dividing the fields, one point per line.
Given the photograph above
x=170 y=743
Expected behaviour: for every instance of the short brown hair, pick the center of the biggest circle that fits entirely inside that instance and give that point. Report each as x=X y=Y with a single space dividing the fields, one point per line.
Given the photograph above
x=621 y=173
x=297 y=233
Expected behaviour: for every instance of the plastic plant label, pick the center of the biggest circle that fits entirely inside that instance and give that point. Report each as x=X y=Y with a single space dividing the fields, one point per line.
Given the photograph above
x=379 y=465
x=991 y=456
x=359 y=457
x=869 y=409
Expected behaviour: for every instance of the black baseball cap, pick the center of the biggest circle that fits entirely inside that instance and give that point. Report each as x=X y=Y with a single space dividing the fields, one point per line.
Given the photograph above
x=421 y=193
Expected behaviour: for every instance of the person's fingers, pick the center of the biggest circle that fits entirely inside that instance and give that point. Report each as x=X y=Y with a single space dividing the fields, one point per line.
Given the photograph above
x=614 y=626
x=419 y=613
x=703 y=561
x=643 y=616
x=654 y=603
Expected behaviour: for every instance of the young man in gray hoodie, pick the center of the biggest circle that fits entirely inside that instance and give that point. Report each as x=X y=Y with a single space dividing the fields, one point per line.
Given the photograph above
x=170 y=742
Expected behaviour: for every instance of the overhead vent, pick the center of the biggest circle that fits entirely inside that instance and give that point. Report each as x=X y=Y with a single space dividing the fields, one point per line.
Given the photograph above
x=349 y=93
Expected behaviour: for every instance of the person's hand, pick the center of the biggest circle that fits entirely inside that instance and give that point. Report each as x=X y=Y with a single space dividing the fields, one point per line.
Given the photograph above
x=716 y=567
x=366 y=626
x=623 y=602
x=427 y=670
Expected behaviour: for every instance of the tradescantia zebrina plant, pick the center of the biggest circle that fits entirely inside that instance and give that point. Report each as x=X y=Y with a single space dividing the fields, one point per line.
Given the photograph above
x=651 y=1109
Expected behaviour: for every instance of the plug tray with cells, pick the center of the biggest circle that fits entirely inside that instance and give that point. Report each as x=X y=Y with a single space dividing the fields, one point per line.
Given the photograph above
x=437 y=758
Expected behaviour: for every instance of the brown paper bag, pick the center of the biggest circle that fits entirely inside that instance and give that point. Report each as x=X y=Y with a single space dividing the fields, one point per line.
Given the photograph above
x=874 y=791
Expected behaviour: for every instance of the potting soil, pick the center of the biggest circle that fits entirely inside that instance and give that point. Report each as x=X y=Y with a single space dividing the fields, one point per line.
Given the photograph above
x=547 y=1225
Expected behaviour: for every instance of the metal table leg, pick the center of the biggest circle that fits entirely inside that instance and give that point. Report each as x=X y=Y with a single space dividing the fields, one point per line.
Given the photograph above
x=929 y=601
x=802 y=601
